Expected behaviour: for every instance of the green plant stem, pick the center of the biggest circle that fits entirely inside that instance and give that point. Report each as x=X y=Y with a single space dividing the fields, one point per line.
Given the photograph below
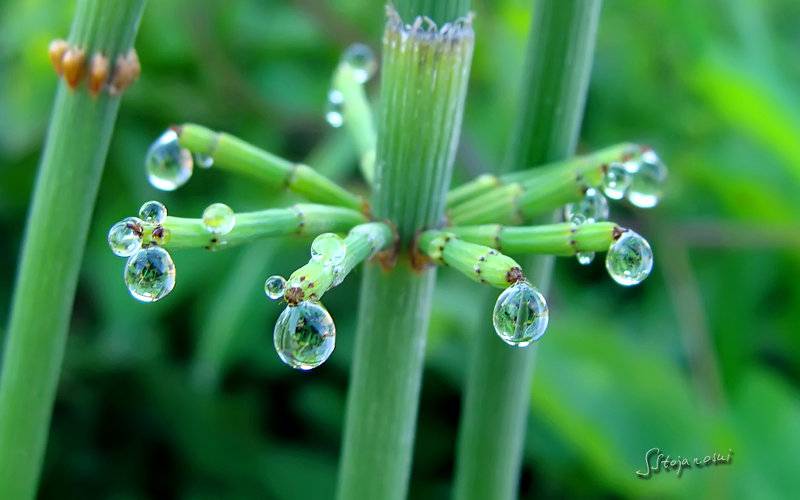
x=424 y=82
x=496 y=402
x=480 y=263
x=69 y=175
x=235 y=155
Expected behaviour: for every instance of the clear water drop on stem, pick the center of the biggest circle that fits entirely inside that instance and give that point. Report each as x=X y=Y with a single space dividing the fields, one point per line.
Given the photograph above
x=150 y=274
x=328 y=248
x=648 y=177
x=585 y=258
x=125 y=237
x=153 y=212
x=203 y=160
x=274 y=287
x=168 y=165
x=362 y=61
x=334 y=112
x=592 y=208
x=304 y=335
x=616 y=181
x=629 y=259
x=520 y=315
x=219 y=219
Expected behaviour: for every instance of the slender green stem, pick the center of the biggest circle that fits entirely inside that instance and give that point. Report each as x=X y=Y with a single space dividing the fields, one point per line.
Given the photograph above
x=63 y=199
x=357 y=118
x=497 y=395
x=235 y=155
x=424 y=82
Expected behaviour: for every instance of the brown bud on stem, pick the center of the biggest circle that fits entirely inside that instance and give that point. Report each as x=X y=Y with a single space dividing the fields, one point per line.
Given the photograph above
x=98 y=73
x=56 y=51
x=73 y=66
x=126 y=71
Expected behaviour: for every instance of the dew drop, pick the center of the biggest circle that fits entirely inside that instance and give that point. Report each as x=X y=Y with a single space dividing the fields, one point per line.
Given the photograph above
x=168 y=165
x=203 y=160
x=592 y=208
x=520 y=315
x=329 y=249
x=334 y=112
x=150 y=274
x=218 y=218
x=274 y=287
x=153 y=212
x=125 y=237
x=305 y=335
x=585 y=258
x=649 y=175
x=616 y=181
x=629 y=259
x=362 y=61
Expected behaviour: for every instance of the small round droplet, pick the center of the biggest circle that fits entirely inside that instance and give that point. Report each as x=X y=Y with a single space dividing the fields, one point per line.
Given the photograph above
x=329 y=249
x=305 y=335
x=648 y=179
x=153 y=212
x=616 y=181
x=168 y=165
x=520 y=315
x=334 y=112
x=150 y=274
x=592 y=208
x=274 y=287
x=362 y=61
x=218 y=218
x=585 y=258
x=203 y=160
x=125 y=237
x=629 y=259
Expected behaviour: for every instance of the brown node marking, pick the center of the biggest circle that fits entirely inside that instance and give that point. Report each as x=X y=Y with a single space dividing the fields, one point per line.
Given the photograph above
x=126 y=70
x=617 y=232
x=72 y=65
x=514 y=274
x=98 y=73
x=294 y=295
x=56 y=51
x=158 y=233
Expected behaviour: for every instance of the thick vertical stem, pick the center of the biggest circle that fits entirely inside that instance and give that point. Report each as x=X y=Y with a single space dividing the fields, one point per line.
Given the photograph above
x=69 y=174
x=424 y=84
x=497 y=396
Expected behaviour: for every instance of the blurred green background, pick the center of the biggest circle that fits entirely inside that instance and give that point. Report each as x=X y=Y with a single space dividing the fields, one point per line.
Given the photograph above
x=187 y=399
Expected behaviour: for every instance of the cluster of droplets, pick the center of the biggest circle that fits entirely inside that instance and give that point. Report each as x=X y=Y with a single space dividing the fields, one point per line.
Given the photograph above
x=362 y=63
x=520 y=314
x=149 y=272
x=593 y=207
x=640 y=179
x=169 y=165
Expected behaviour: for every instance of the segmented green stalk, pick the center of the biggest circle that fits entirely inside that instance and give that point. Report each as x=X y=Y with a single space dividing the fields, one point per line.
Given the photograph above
x=235 y=155
x=63 y=199
x=424 y=80
x=497 y=396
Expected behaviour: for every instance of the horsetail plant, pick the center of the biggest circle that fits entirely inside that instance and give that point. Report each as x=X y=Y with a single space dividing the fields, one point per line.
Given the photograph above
x=97 y=63
x=408 y=227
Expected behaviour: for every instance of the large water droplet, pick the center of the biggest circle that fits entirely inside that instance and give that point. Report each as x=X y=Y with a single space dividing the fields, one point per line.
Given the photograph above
x=168 y=165
x=334 y=112
x=592 y=208
x=274 y=287
x=219 y=219
x=153 y=212
x=362 y=61
x=150 y=274
x=329 y=249
x=305 y=335
x=520 y=315
x=125 y=237
x=629 y=259
x=616 y=181
x=203 y=160
x=649 y=175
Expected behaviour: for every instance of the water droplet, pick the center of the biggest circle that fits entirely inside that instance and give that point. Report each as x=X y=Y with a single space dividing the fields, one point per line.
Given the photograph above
x=274 y=287
x=203 y=160
x=648 y=178
x=629 y=259
x=362 y=61
x=150 y=274
x=328 y=248
x=334 y=113
x=218 y=218
x=592 y=208
x=153 y=212
x=585 y=258
x=305 y=335
x=125 y=237
x=616 y=181
x=520 y=315
x=168 y=165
